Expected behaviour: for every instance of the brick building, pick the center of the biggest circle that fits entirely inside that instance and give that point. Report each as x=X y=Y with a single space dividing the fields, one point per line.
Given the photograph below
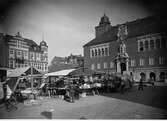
x=145 y=42
x=75 y=59
x=3 y=58
x=23 y=52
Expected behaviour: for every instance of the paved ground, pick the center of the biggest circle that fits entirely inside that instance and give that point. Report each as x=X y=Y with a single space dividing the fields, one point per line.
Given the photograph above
x=107 y=106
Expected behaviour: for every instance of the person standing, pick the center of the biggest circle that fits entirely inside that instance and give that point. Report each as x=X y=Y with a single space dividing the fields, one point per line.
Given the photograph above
x=141 y=82
x=3 y=89
x=122 y=85
x=72 y=91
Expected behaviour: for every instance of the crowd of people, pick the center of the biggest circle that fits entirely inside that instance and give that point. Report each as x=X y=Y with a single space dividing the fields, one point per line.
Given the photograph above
x=71 y=88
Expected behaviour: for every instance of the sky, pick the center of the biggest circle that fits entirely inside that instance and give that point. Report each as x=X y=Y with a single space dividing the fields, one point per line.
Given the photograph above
x=66 y=25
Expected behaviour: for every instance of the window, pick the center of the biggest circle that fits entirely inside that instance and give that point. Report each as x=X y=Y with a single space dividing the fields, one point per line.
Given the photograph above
x=141 y=46
x=99 y=52
x=111 y=64
x=92 y=53
x=105 y=65
x=163 y=42
x=161 y=60
x=102 y=51
x=46 y=67
x=11 y=52
x=151 y=61
x=158 y=43
x=18 y=52
x=95 y=52
x=132 y=62
x=98 y=66
x=106 y=51
x=141 y=62
x=25 y=55
x=92 y=66
x=152 y=44
x=11 y=65
x=146 y=45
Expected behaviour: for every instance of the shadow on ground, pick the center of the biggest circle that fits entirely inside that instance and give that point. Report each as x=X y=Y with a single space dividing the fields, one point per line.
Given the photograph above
x=151 y=96
x=47 y=114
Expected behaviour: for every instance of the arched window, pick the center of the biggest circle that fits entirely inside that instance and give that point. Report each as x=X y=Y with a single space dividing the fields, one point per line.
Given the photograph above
x=146 y=44
x=95 y=52
x=106 y=51
x=141 y=45
x=102 y=51
x=99 y=52
x=157 y=43
x=152 y=44
x=92 y=53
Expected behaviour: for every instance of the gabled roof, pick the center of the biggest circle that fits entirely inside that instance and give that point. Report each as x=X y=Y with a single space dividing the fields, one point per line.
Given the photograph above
x=139 y=27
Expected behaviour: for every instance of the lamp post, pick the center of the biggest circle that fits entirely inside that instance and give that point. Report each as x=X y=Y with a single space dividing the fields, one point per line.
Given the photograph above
x=31 y=78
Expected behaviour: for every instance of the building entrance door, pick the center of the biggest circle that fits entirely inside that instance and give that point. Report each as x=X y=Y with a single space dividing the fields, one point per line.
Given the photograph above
x=123 y=67
x=152 y=76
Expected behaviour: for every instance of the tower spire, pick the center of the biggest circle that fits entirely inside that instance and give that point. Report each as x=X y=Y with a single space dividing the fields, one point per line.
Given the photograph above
x=42 y=36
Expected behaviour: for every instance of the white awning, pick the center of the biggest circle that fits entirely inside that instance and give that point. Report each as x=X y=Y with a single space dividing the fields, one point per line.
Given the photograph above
x=18 y=72
x=23 y=71
x=60 y=73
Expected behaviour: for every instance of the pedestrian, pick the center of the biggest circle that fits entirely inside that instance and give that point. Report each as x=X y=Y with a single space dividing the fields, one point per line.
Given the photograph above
x=122 y=85
x=1 y=90
x=140 y=87
x=72 y=91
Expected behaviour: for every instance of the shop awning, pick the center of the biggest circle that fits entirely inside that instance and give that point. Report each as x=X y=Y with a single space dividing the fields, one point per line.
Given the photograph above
x=60 y=73
x=23 y=71
x=84 y=72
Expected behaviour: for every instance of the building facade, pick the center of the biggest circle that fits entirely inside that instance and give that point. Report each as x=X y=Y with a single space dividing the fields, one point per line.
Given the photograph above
x=3 y=58
x=146 y=44
x=24 y=52
x=78 y=60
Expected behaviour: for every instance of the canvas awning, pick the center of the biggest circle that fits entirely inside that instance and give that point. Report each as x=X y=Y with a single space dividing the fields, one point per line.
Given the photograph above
x=60 y=73
x=23 y=71
x=84 y=72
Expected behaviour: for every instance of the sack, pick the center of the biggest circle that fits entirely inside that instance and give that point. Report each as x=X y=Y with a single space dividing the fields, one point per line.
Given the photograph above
x=9 y=92
x=1 y=91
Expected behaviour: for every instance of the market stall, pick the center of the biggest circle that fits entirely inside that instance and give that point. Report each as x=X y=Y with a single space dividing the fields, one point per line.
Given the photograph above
x=24 y=80
x=55 y=82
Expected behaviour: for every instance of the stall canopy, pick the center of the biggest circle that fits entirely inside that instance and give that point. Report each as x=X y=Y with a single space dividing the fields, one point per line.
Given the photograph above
x=23 y=71
x=84 y=72
x=60 y=73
